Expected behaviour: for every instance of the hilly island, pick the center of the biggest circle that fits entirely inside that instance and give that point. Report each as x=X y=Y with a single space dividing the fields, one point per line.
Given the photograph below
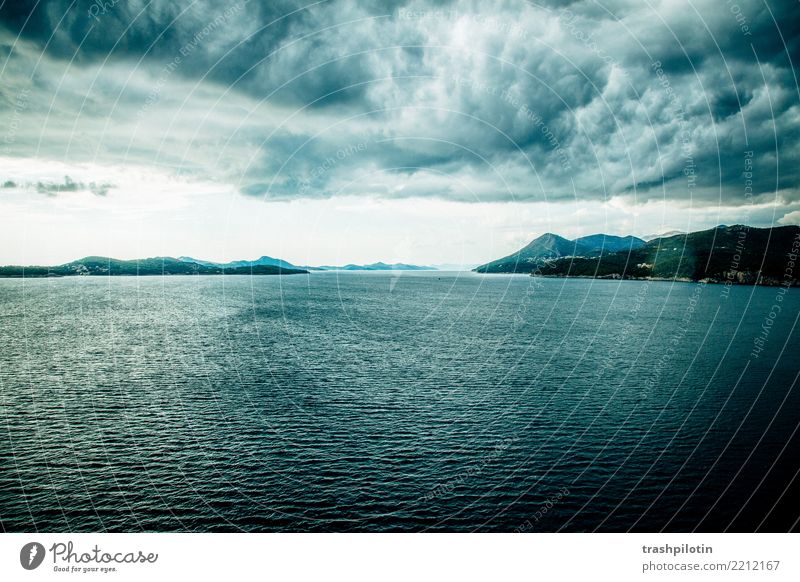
x=725 y=254
x=141 y=267
x=105 y=266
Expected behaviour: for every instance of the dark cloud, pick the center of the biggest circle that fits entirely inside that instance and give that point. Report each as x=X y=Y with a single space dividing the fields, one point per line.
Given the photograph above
x=519 y=100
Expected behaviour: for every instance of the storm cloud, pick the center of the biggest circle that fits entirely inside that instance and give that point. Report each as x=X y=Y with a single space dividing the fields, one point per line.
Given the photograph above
x=692 y=102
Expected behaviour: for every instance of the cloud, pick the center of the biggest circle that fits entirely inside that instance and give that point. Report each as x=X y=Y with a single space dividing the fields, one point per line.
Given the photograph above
x=790 y=218
x=690 y=102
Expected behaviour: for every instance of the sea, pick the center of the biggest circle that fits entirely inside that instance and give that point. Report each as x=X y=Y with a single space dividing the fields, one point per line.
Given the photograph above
x=397 y=402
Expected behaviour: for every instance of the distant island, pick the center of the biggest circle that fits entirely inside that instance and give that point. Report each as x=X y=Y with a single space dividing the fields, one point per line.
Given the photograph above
x=271 y=261
x=265 y=265
x=141 y=267
x=725 y=254
x=374 y=267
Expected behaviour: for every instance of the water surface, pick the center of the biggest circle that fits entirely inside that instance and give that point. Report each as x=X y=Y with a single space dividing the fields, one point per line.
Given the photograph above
x=395 y=402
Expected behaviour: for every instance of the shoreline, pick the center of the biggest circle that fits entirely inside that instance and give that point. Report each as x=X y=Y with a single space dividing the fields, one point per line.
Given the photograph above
x=96 y=275
x=709 y=281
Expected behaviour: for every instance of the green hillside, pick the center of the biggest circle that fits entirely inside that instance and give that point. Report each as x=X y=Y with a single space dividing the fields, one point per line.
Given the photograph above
x=738 y=254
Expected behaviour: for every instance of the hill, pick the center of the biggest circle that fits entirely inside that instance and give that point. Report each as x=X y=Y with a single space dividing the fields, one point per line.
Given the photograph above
x=551 y=246
x=259 y=262
x=375 y=267
x=735 y=254
x=105 y=266
x=273 y=262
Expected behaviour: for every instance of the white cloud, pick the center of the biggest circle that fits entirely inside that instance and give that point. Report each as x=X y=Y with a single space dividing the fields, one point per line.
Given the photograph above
x=790 y=218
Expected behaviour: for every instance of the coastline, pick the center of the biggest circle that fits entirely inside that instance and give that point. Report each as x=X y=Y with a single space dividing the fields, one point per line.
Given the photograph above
x=770 y=282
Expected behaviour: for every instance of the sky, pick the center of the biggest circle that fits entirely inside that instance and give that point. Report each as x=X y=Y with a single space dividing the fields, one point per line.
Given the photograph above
x=424 y=132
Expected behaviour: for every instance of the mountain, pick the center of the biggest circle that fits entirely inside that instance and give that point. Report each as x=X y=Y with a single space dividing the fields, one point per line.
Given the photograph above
x=272 y=262
x=189 y=266
x=606 y=243
x=735 y=254
x=650 y=237
x=547 y=246
x=551 y=246
x=375 y=267
x=265 y=260
x=198 y=261
x=106 y=266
